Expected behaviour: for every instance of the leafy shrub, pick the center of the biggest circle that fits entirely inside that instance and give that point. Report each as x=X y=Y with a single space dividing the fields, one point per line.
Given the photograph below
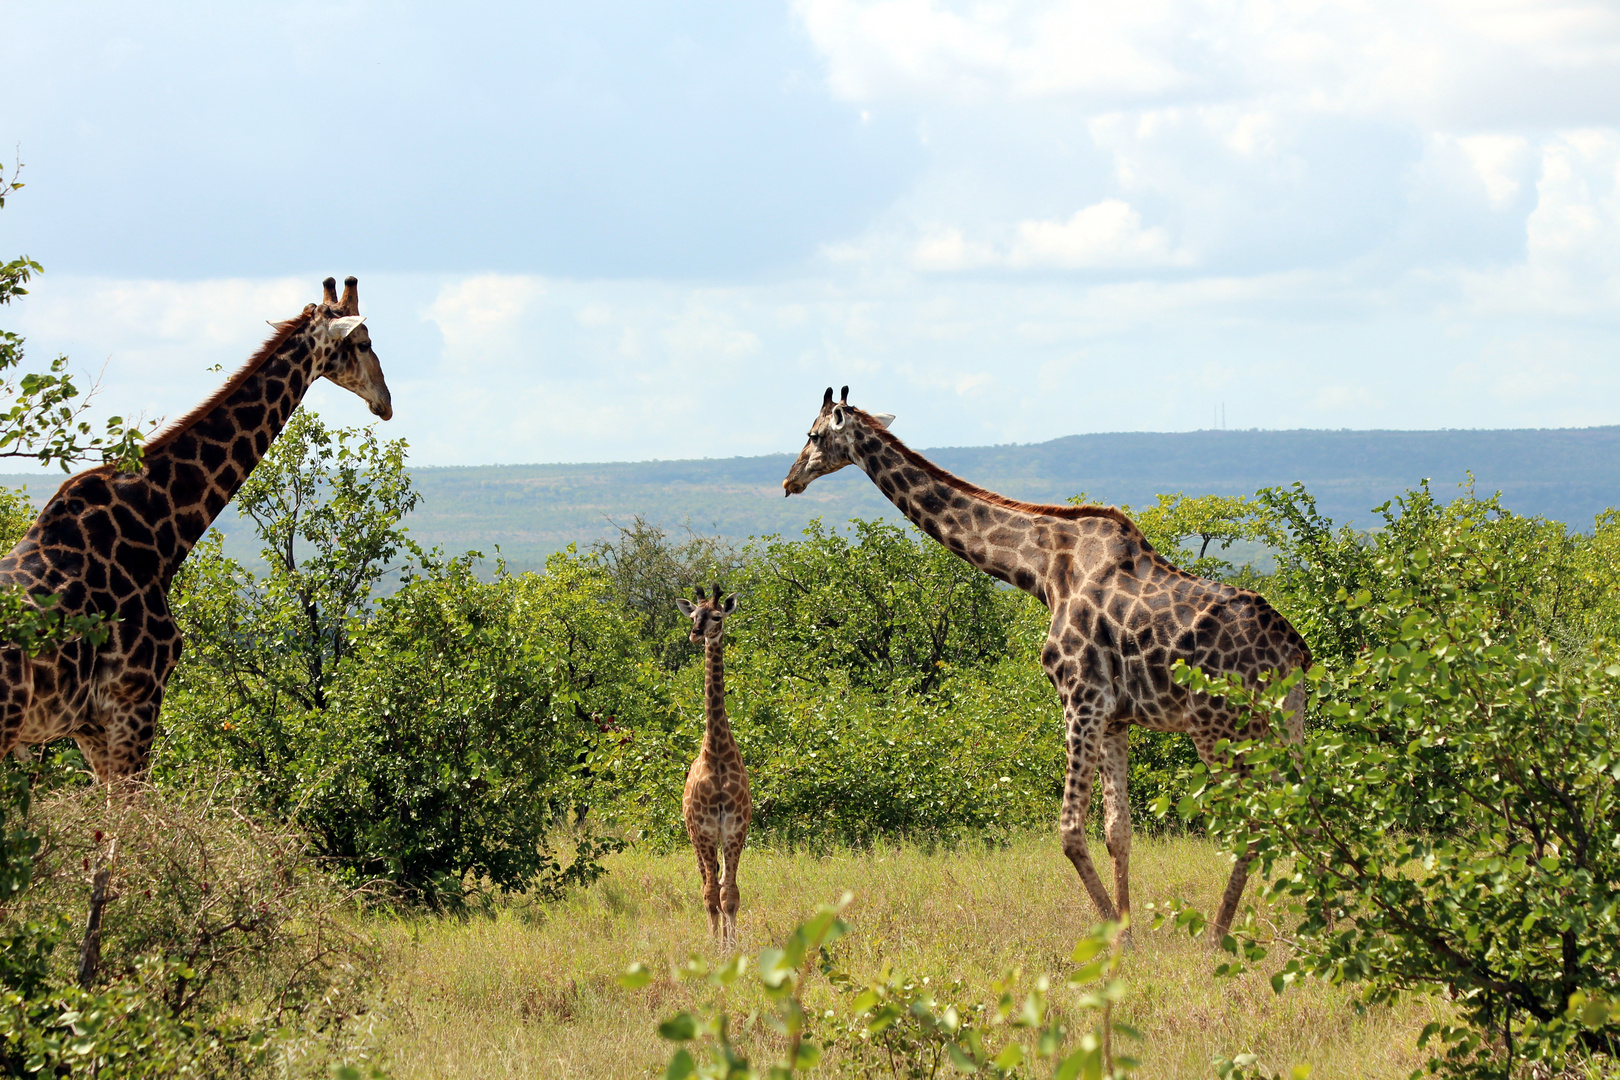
x=896 y=1027
x=833 y=763
x=888 y=607
x=222 y=949
x=459 y=726
x=431 y=738
x=216 y=924
x=1459 y=716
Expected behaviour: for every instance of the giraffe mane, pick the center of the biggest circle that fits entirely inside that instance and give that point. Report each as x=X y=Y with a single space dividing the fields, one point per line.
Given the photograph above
x=284 y=330
x=974 y=491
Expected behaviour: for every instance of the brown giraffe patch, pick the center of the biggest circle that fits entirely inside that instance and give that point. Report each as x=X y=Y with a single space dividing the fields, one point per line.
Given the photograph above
x=111 y=543
x=1122 y=616
x=716 y=804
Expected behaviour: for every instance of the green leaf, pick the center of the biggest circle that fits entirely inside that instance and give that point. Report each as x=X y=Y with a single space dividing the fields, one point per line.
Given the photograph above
x=959 y=1061
x=679 y=1028
x=1010 y=1057
x=635 y=977
x=680 y=1066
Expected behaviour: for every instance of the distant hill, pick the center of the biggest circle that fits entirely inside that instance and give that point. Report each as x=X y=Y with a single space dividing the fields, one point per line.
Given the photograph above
x=1570 y=474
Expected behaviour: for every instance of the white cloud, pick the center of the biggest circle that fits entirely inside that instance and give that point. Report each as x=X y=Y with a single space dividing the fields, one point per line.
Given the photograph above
x=482 y=314
x=948 y=249
x=1500 y=162
x=1419 y=58
x=1106 y=234
x=1021 y=50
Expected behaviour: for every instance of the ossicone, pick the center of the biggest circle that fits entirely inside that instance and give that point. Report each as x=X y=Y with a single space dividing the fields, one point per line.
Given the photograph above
x=350 y=304
x=843 y=396
x=826 y=399
x=329 y=291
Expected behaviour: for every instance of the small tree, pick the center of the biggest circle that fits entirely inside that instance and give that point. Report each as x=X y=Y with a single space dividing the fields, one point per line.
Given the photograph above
x=647 y=571
x=1178 y=527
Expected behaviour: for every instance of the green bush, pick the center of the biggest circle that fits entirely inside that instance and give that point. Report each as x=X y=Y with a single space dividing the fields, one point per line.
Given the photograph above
x=1455 y=827
x=890 y=608
x=223 y=949
x=432 y=738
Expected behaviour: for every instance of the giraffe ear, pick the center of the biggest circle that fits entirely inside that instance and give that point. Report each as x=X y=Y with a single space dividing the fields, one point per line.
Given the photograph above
x=338 y=329
x=839 y=418
x=884 y=419
x=730 y=605
x=686 y=606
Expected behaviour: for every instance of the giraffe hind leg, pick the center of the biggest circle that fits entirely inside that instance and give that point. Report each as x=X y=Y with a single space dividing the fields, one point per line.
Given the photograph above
x=1117 y=814
x=730 y=895
x=709 y=868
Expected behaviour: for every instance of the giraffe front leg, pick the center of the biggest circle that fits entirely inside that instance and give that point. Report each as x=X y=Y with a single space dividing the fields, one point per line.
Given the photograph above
x=128 y=725
x=1085 y=750
x=730 y=895
x=1117 y=813
x=16 y=690
x=93 y=747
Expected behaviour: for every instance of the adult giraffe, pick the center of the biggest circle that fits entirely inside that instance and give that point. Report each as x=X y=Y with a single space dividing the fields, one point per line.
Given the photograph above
x=111 y=543
x=1122 y=615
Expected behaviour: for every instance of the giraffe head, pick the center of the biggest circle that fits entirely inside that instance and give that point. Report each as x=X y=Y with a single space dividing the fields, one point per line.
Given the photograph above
x=347 y=358
x=708 y=613
x=832 y=440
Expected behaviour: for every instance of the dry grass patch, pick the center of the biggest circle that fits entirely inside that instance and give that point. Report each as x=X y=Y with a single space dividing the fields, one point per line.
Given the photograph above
x=532 y=992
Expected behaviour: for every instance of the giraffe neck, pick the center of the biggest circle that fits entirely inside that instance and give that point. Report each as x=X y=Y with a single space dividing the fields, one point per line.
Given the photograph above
x=1001 y=540
x=192 y=470
x=716 y=725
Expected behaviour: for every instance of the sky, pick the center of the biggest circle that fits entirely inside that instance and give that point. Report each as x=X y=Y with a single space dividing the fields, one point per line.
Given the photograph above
x=632 y=230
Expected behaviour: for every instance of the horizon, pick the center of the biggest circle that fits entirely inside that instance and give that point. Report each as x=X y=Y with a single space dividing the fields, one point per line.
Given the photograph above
x=44 y=472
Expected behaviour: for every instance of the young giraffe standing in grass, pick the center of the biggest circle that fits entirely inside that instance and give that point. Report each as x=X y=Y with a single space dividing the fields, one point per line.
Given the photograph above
x=716 y=804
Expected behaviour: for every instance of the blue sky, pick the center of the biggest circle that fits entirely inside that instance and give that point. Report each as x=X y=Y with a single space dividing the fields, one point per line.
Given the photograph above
x=629 y=230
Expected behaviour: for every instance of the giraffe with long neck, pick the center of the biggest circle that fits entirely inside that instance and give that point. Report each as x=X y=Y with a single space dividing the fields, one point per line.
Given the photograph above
x=716 y=804
x=111 y=543
x=1122 y=616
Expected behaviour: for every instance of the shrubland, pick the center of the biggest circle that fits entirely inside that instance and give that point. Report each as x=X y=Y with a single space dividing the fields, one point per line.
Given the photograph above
x=431 y=733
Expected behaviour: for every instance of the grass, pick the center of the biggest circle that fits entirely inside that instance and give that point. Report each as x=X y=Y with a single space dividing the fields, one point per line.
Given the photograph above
x=532 y=990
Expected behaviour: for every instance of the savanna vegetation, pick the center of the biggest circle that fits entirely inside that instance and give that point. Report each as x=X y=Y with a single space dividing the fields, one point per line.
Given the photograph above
x=413 y=814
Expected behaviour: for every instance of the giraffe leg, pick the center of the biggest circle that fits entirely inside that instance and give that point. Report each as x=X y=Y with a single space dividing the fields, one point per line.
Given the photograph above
x=1230 y=898
x=730 y=896
x=1085 y=750
x=1117 y=813
x=93 y=745
x=709 y=868
x=16 y=687
x=1204 y=743
x=117 y=745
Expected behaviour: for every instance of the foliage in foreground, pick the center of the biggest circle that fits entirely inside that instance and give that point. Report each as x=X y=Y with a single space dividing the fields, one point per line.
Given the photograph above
x=223 y=951
x=893 y=1026
x=1460 y=715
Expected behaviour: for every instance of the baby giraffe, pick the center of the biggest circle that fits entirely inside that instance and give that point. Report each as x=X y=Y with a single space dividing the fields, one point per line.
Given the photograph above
x=717 y=805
